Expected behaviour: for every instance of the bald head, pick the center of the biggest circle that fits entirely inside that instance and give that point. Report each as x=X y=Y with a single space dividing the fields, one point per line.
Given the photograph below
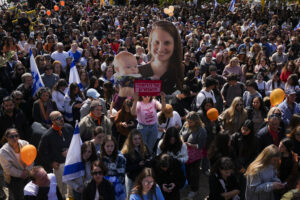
x=125 y=63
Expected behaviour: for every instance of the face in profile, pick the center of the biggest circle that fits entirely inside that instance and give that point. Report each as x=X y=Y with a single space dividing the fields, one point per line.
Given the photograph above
x=162 y=45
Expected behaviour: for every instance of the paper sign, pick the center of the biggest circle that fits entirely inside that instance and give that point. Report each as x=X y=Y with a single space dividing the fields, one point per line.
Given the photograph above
x=147 y=87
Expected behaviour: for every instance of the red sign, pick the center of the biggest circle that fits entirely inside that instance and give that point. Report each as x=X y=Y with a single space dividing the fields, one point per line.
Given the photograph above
x=147 y=87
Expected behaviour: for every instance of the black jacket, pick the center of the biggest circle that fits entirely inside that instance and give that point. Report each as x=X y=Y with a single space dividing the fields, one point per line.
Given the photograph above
x=265 y=138
x=106 y=190
x=133 y=169
x=174 y=174
x=216 y=188
x=52 y=145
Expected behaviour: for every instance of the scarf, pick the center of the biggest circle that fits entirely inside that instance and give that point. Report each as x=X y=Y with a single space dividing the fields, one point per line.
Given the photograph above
x=96 y=118
x=56 y=128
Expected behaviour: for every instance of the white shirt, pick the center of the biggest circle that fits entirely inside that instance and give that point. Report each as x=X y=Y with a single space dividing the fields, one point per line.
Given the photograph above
x=32 y=189
x=203 y=95
x=175 y=120
x=58 y=97
x=62 y=57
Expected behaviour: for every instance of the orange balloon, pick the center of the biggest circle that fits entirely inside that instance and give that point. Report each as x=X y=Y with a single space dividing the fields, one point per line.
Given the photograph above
x=277 y=96
x=56 y=8
x=62 y=3
x=212 y=114
x=28 y=154
x=48 y=12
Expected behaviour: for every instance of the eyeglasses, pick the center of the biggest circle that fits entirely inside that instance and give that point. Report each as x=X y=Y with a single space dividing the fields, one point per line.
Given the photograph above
x=13 y=136
x=58 y=118
x=148 y=182
x=97 y=173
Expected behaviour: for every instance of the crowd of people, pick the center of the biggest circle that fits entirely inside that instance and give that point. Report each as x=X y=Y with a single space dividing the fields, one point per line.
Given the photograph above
x=151 y=147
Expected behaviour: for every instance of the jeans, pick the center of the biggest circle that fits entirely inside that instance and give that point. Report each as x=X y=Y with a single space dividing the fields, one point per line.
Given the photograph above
x=128 y=184
x=149 y=133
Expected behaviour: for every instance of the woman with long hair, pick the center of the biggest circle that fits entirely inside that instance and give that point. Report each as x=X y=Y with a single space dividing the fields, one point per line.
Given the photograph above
x=88 y=156
x=145 y=187
x=58 y=69
x=222 y=182
x=257 y=112
x=15 y=170
x=234 y=116
x=172 y=144
x=84 y=79
x=169 y=176
x=274 y=83
x=137 y=157
x=58 y=93
x=95 y=70
x=261 y=175
x=194 y=136
x=116 y=164
x=292 y=83
x=245 y=147
x=165 y=48
x=287 y=70
x=233 y=67
x=72 y=103
x=294 y=135
x=288 y=169
x=124 y=122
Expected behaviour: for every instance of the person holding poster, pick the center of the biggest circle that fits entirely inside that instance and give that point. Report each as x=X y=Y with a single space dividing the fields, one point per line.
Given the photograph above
x=144 y=107
x=166 y=51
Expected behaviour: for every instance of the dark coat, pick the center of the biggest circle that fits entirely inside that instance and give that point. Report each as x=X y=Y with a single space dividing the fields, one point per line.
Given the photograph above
x=52 y=145
x=216 y=188
x=265 y=139
x=133 y=169
x=106 y=190
x=174 y=174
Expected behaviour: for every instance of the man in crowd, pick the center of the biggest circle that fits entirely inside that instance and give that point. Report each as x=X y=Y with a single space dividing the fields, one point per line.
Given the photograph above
x=42 y=185
x=93 y=119
x=289 y=106
x=53 y=148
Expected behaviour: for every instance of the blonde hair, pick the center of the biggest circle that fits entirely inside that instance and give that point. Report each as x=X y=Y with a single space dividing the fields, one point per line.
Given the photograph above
x=262 y=160
x=128 y=146
x=232 y=110
x=193 y=116
x=232 y=60
x=271 y=112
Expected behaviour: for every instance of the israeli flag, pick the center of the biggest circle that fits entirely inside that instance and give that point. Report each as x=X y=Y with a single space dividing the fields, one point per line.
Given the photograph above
x=74 y=76
x=216 y=4
x=73 y=166
x=231 y=7
x=297 y=27
x=36 y=77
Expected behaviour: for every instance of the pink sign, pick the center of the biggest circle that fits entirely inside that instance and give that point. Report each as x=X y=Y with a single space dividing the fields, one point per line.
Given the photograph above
x=147 y=87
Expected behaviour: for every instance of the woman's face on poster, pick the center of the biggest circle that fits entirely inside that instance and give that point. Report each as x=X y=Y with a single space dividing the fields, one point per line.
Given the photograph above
x=162 y=45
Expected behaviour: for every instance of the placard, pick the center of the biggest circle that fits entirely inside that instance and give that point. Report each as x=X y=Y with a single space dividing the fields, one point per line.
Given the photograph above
x=147 y=87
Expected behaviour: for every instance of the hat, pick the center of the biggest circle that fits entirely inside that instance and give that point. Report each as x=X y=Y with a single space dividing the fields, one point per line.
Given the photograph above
x=290 y=91
x=92 y=93
x=168 y=111
x=95 y=103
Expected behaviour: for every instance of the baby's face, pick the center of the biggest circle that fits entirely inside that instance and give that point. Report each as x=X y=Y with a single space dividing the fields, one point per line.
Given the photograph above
x=128 y=66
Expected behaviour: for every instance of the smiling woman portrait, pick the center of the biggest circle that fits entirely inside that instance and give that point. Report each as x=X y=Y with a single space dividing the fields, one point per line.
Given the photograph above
x=166 y=52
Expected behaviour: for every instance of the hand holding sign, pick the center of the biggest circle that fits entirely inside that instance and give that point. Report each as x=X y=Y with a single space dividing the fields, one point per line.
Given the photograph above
x=147 y=87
